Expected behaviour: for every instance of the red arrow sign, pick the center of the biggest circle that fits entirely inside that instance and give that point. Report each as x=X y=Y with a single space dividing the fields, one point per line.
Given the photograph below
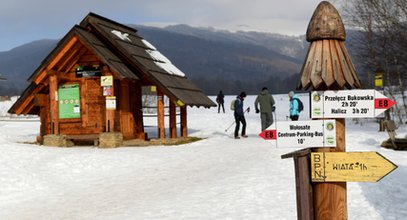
x=383 y=103
x=268 y=134
x=301 y=133
x=357 y=103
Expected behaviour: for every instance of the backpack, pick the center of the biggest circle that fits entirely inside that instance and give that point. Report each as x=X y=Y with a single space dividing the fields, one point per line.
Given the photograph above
x=300 y=105
x=232 y=105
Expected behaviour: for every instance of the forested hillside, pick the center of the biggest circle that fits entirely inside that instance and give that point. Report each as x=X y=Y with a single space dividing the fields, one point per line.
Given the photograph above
x=215 y=60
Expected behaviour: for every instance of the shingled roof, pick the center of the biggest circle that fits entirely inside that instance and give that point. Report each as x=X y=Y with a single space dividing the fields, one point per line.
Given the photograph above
x=128 y=55
x=147 y=60
x=327 y=64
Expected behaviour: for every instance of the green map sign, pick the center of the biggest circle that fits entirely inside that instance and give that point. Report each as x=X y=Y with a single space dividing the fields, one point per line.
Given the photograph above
x=69 y=101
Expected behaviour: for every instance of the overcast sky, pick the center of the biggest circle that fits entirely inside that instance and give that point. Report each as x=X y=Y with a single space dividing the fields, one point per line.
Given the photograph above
x=23 y=21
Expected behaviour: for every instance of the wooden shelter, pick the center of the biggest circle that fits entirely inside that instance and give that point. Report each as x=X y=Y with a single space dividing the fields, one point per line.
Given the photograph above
x=92 y=83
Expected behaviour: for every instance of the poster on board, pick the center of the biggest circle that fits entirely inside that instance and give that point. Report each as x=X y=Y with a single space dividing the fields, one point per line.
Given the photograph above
x=69 y=101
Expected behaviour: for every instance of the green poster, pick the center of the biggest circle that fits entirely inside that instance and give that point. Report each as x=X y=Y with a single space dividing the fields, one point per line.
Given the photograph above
x=69 y=101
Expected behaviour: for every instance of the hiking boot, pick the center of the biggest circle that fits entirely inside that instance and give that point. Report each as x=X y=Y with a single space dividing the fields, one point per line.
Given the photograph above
x=244 y=136
x=237 y=137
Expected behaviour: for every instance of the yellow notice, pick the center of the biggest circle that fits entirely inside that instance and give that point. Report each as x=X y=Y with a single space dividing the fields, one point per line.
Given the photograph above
x=378 y=80
x=180 y=103
x=349 y=167
x=106 y=80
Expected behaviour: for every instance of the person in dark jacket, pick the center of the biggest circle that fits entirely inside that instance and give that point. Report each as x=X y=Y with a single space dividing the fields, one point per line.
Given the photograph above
x=239 y=115
x=266 y=102
x=294 y=113
x=220 y=100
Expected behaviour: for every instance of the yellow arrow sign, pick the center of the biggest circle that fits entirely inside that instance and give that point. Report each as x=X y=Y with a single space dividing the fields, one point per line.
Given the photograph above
x=349 y=166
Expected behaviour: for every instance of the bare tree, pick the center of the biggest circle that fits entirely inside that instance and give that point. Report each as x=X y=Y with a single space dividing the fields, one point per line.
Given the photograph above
x=382 y=41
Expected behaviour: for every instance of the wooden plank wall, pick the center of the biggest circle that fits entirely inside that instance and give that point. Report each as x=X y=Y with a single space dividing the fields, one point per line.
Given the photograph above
x=92 y=110
x=127 y=118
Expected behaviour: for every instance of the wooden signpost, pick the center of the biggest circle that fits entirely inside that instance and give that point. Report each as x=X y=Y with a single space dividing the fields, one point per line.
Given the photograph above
x=349 y=166
x=301 y=133
x=329 y=68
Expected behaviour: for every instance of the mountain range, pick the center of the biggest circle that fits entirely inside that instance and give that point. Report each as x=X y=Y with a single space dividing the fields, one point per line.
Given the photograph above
x=213 y=59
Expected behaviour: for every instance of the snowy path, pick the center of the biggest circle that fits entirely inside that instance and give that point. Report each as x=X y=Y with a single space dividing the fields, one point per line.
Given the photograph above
x=216 y=178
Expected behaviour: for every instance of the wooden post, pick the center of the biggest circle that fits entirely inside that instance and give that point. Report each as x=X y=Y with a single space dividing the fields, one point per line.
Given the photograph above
x=381 y=124
x=42 y=101
x=160 y=114
x=110 y=115
x=138 y=110
x=126 y=117
x=53 y=94
x=328 y=66
x=184 y=132
x=124 y=96
x=173 y=120
x=330 y=199
x=305 y=208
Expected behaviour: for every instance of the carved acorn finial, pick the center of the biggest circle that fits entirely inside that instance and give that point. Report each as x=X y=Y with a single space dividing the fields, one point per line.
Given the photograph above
x=327 y=64
x=326 y=23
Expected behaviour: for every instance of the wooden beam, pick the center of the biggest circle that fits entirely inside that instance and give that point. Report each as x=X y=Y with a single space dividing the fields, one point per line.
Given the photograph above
x=23 y=106
x=126 y=117
x=307 y=66
x=62 y=52
x=327 y=71
x=68 y=57
x=302 y=163
x=40 y=77
x=75 y=59
x=53 y=90
x=44 y=72
x=124 y=96
x=316 y=71
x=110 y=115
x=346 y=70
x=173 y=120
x=28 y=102
x=184 y=131
x=138 y=109
x=44 y=114
x=28 y=108
x=160 y=114
x=337 y=70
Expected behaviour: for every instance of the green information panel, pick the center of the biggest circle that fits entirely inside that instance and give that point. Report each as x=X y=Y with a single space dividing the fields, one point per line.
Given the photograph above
x=69 y=101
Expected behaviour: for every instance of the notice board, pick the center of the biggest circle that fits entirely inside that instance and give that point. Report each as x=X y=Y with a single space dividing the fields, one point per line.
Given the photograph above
x=69 y=101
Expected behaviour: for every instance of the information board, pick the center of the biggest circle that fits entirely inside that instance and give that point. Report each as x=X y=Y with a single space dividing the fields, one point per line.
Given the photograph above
x=69 y=101
x=110 y=102
x=348 y=104
x=349 y=166
x=315 y=133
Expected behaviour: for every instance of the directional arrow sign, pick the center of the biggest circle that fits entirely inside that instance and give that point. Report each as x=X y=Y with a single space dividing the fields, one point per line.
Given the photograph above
x=315 y=133
x=348 y=104
x=349 y=167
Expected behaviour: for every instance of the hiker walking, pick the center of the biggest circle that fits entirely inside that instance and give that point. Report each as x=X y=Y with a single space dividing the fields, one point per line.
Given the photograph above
x=266 y=102
x=239 y=115
x=220 y=100
x=294 y=106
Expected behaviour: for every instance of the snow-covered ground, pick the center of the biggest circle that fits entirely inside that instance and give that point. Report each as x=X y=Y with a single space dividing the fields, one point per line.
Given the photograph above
x=215 y=178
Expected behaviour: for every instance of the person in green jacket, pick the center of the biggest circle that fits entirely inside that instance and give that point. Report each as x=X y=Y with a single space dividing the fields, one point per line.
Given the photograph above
x=266 y=102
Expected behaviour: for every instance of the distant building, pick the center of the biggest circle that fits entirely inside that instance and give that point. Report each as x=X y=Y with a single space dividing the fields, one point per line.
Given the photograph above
x=92 y=82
